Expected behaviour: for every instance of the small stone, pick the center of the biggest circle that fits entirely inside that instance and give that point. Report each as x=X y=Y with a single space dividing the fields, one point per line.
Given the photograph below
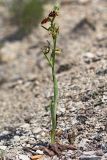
x=4 y=133
x=25 y=126
x=90 y=57
x=37 y=157
x=99 y=153
x=37 y=130
x=16 y=138
x=104 y=99
x=103 y=158
x=81 y=118
x=70 y=152
x=43 y=134
x=23 y=157
x=105 y=155
x=38 y=136
x=62 y=110
x=84 y=1
x=104 y=146
x=55 y=158
x=98 y=137
x=39 y=152
x=101 y=71
x=46 y=158
x=91 y=157
x=83 y=143
x=88 y=153
x=3 y=148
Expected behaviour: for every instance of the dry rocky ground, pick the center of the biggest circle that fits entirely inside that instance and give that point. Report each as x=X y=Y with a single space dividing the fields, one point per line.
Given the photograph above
x=25 y=86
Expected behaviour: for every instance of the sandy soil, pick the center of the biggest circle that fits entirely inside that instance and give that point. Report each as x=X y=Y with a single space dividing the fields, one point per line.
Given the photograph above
x=25 y=78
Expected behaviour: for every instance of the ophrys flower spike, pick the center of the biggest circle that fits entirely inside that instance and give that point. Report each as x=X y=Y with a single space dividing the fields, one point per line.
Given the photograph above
x=50 y=52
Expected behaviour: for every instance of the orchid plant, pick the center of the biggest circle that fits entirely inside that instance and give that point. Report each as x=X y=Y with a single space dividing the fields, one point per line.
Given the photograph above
x=50 y=51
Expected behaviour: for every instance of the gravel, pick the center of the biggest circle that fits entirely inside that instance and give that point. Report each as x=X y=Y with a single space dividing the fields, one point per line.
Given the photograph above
x=26 y=88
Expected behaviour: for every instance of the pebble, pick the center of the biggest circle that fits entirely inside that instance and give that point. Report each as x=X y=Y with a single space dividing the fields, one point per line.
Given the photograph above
x=88 y=153
x=43 y=134
x=62 y=109
x=97 y=137
x=84 y=1
x=82 y=118
x=104 y=99
x=90 y=57
x=99 y=153
x=3 y=148
x=83 y=143
x=4 y=133
x=39 y=152
x=23 y=157
x=16 y=138
x=47 y=158
x=38 y=136
x=25 y=126
x=101 y=71
x=104 y=147
x=55 y=158
x=36 y=130
x=91 y=157
x=105 y=155
x=70 y=152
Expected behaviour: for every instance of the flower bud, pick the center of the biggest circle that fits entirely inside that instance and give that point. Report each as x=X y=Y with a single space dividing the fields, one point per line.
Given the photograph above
x=58 y=51
x=56 y=7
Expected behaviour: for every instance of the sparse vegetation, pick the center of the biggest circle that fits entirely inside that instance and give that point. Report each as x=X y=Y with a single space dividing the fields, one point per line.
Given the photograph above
x=26 y=14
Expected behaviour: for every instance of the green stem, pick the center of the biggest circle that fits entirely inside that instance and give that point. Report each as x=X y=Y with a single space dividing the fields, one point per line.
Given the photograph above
x=49 y=61
x=55 y=97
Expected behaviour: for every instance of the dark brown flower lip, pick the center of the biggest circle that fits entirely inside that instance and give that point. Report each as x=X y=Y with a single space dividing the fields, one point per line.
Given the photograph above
x=53 y=14
x=45 y=20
